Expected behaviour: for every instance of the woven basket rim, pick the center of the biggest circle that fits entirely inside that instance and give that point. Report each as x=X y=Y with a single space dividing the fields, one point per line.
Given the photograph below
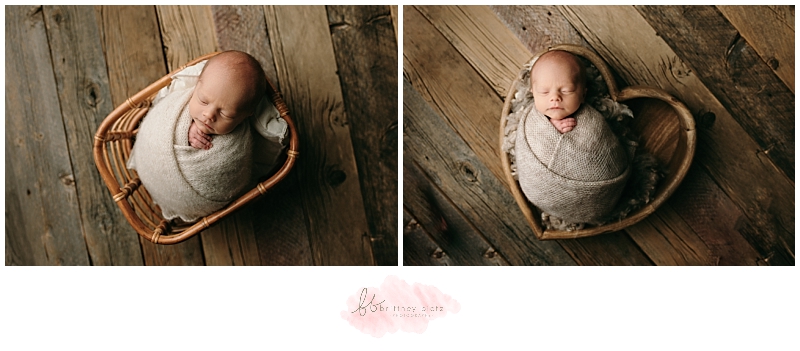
x=114 y=146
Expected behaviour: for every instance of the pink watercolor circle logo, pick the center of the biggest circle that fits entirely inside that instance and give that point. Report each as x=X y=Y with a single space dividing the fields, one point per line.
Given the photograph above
x=396 y=305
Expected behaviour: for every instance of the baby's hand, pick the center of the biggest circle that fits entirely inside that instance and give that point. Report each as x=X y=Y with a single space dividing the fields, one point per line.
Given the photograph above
x=564 y=125
x=198 y=139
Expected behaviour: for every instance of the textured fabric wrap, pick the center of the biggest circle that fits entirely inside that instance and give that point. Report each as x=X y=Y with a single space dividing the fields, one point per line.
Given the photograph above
x=186 y=182
x=577 y=176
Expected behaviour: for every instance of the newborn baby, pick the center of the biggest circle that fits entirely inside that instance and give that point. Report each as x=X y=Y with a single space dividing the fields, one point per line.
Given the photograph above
x=569 y=162
x=192 y=152
x=558 y=85
x=228 y=91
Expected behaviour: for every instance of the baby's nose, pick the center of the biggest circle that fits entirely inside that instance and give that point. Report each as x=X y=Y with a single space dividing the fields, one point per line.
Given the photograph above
x=210 y=115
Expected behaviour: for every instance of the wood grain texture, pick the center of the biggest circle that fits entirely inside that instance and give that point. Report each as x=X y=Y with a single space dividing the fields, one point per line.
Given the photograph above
x=453 y=234
x=232 y=242
x=278 y=243
x=187 y=32
x=668 y=240
x=366 y=55
x=770 y=31
x=471 y=187
x=281 y=226
x=452 y=88
x=724 y=150
x=83 y=89
x=132 y=46
x=37 y=151
x=538 y=27
x=713 y=216
x=243 y=28
x=306 y=67
x=418 y=248
x=610 y=249
x=734 y=73
x=393 y=9
x=482 y=39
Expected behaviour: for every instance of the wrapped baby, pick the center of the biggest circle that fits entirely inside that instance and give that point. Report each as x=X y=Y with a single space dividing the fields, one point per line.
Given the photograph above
x=192 y=152
x=569 y=162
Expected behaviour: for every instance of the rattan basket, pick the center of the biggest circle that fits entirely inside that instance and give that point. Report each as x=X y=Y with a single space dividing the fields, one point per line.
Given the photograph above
x=112 y=147
x=665 y=128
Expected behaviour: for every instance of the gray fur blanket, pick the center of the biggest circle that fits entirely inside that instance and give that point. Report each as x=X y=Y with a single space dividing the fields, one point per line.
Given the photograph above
x=577 y=175
x=189 y=183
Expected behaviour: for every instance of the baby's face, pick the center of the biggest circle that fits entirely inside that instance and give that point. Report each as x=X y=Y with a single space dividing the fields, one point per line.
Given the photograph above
x=218 y=105
x=556 y=86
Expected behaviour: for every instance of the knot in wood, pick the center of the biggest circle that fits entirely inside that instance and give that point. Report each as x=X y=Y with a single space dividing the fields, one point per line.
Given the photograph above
x=773 y=63
x=67 y=179
x=438 y=253
x=336 y=177
x=706 y=120
x=490 y=253
x=469 y=172
x=92 y=94
x=679 y=69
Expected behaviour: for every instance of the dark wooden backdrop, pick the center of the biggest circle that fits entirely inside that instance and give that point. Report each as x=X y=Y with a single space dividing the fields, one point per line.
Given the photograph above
x=67 y=67
x=733 y=66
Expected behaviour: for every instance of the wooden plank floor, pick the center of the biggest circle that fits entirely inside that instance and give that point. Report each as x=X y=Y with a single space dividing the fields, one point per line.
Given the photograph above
x=732 y=66
x=67 y=67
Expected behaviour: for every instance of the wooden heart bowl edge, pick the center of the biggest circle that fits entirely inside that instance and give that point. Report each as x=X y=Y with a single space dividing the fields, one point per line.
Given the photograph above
x=685 y=148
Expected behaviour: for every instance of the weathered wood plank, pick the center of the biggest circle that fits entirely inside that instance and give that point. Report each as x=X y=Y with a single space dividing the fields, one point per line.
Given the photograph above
x=306 y=67
x=187 y=32
x=452 y=88
x=724 y=149
x=243 y=28
x=36 y=142
x=538 y=27
x=713 y=216
x=454 y=235
x=132 y=47
x=393 y=8
x=82 y=84
x=366 y=55
x=668 y=240
x=23 y=247
x=770 y=31
x=470 y=186
x=232 y=242
x=281 y=226
x=735 y=74
x=611 y=249
x=418 y=248
x=482 y=39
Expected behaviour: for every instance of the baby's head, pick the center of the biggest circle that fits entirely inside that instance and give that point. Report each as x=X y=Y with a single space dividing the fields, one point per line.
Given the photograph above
x=558 y=84
x=228 y=91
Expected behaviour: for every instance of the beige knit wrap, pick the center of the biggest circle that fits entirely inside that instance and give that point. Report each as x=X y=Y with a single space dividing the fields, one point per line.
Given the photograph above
x=577 y=176
x=186 y=182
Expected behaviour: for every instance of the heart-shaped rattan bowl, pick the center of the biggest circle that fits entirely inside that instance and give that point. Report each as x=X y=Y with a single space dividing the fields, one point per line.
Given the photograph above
x=665 y=128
